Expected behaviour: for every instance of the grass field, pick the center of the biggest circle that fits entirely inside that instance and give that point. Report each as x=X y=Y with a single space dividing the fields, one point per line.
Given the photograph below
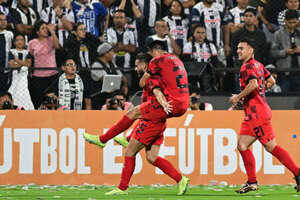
x=274 y=192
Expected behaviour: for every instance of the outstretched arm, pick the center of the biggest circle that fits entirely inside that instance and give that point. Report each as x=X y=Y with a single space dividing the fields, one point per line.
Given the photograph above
x=270 y=82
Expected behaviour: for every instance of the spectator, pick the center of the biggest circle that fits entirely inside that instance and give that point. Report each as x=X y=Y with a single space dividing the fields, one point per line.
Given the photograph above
x=131 y=10
x=24 y=17
x=37 y=5
x=6 y=11
x=20 y=59
x=195 y=103
x=82 y=47
x=124 y=41
x=117 y=102
x=150 y=10
x=187 y=4
x=201 y=50
x=6 y=38
x=212 y=16
x=92 y=15
x=73 y=91
x=104 y=61
x=163 y=34
x=42 y=48
x=275 y=88
x=268 y=11
x=235 y=21
x=249 y=31
x=291 y=5
x=286 y=49
x=178 y=22
x=60 y=16
x=51 y=101
x=7 y=102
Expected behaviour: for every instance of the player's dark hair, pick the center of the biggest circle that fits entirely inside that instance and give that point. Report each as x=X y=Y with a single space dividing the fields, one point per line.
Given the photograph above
x=253 y=10
x=2 y=94
x=291 y=14
x=143 y=57
x=157 y=45
x=249 y=41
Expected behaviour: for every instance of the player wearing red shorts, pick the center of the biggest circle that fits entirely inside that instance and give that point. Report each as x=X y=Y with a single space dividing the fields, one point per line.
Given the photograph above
x=174 y=77
x=254 y=80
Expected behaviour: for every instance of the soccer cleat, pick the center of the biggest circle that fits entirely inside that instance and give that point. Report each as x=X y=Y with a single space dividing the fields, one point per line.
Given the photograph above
x=183 y=185
x=117 y=191
x=247 y=187
x=121 y=141
x=297 y=178
x=94 y=139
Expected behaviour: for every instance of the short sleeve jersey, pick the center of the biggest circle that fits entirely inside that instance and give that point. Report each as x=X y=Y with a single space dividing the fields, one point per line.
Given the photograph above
x=255 y=104
x=173 y=75
x=152 y=83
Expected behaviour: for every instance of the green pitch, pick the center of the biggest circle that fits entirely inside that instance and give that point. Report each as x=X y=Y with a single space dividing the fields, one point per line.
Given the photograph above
x=30 y=192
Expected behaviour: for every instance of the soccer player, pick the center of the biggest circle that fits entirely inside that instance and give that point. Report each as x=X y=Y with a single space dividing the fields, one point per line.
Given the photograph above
x=173 y=75
x=254 y=80
x=149 y=135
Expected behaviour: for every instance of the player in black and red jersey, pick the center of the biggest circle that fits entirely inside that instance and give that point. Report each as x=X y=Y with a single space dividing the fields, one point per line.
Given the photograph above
x=254 y=80
x=148 y=134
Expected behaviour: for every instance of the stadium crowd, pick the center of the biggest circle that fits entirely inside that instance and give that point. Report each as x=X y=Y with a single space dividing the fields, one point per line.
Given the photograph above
x=39 y=39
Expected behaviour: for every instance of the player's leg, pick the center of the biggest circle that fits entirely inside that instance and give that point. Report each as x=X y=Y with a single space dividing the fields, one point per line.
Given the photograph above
x=122 y=125
x=164 y=165
x=284 y=157
x=132 y=149
x=244 y=142
x=125 y=140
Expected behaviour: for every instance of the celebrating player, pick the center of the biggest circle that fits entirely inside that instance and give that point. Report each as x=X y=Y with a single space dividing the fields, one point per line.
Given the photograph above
x=255 y=79
x=149 y=135
x=174 y=77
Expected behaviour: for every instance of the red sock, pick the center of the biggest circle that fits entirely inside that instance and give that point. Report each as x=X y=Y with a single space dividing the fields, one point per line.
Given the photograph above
x=128 y=137
x=284 y=157
x=249 y=162
x=116 y=129
x=167 y=168
x=127 y=172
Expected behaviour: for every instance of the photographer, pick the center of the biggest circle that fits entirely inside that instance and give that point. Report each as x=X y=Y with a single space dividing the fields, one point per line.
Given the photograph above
x=117 y=102
x=50 y=101
x=7 y=102
x=195 y=103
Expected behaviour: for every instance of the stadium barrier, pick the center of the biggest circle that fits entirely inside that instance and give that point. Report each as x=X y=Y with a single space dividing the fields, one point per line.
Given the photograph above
x=47 y=147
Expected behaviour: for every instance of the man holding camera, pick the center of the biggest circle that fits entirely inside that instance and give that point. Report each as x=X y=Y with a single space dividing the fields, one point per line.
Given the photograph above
x=195 y=103
x=51 y=100
x=117 y=102
x=7 y=102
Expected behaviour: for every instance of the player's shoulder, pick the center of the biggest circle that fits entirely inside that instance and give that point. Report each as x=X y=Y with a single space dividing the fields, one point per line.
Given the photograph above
x=157 y=60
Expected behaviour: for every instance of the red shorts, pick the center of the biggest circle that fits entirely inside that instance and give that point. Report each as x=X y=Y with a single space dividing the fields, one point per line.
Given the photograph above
x=153 y=111
x=149 y=132
x=260 y=128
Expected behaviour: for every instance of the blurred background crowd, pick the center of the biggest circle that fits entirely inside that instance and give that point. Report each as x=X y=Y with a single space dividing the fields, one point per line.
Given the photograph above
x=54 y=54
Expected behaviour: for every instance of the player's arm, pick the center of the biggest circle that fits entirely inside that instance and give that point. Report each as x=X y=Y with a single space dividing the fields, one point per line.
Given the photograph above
x=252 y=85
x=162 y=100
x=144 y=79
x=270 y=82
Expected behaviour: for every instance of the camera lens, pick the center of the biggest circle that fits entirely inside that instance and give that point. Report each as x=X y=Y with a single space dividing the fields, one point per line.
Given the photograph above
x=7 y=105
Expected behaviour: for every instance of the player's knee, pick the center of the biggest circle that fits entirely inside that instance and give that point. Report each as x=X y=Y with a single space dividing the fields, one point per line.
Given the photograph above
x=150 y=158
x=242 y=147
x=133 y=113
